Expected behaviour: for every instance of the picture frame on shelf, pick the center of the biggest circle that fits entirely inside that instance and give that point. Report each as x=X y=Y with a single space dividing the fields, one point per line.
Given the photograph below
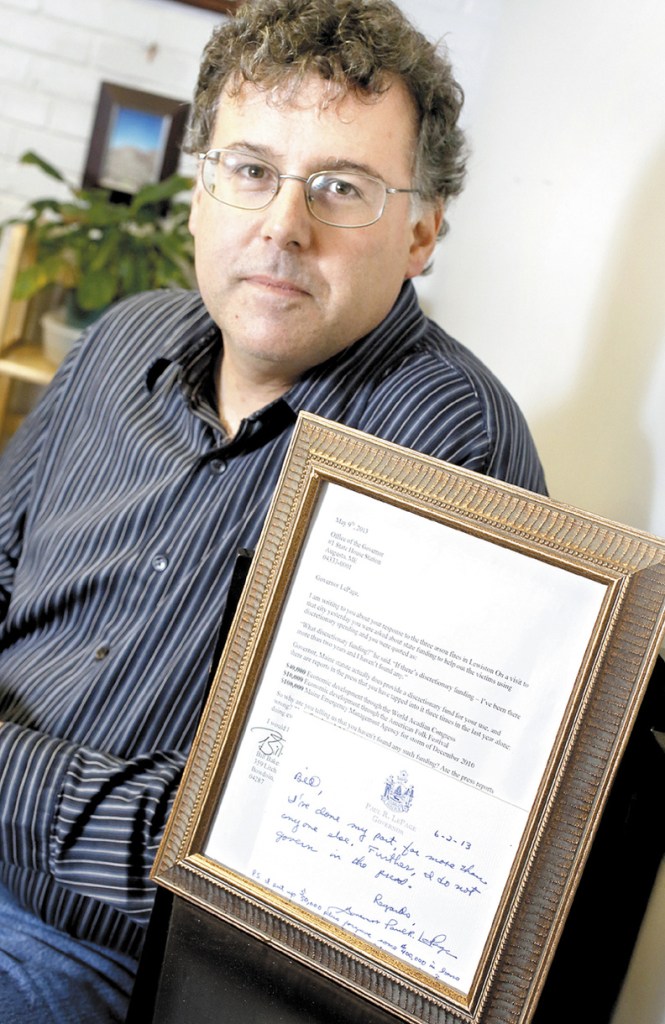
x=135 y=140
x=221 y=6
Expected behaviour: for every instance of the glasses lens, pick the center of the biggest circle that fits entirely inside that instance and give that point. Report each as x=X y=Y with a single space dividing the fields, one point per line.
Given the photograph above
x=238 y=179
x=346 y=200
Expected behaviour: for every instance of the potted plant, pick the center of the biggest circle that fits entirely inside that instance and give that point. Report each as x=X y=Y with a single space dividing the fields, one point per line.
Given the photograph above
x=99 y=250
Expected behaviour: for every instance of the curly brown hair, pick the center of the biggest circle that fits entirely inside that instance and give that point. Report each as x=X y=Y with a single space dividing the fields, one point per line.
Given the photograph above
x=358 y=46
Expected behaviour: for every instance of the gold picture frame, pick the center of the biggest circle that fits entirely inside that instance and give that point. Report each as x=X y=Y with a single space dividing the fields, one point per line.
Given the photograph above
x=422 y=703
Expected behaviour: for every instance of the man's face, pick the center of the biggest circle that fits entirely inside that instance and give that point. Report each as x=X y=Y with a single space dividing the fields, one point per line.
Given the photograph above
x=287 y=291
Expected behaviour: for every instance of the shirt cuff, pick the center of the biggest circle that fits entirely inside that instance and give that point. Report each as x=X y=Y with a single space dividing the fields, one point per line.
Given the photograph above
x=32 y=769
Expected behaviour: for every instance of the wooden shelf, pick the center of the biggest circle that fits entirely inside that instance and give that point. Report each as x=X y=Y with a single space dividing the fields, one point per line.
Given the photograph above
x=25 y=361
x=23 y=365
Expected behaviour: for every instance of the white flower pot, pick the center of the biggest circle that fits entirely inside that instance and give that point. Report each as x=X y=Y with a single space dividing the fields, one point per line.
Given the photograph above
x=57 y=335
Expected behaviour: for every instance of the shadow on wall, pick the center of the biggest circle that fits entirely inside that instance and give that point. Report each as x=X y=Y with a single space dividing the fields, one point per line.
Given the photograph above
x=594 y=442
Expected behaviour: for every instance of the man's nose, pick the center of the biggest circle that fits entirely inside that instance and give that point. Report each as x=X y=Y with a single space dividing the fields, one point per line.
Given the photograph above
x=287 y=220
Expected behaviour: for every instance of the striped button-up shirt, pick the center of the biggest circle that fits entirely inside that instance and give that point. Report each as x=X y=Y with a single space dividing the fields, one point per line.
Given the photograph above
x=122 y=508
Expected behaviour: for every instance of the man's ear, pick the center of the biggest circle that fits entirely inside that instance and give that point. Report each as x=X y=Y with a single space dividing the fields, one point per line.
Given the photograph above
x=424 y=238
x=195 y=205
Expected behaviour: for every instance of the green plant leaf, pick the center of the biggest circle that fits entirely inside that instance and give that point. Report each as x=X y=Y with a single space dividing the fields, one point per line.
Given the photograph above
x=106 y=249
x=160 y=191
x=30 y=281
x=32 y=158
x=97 y=289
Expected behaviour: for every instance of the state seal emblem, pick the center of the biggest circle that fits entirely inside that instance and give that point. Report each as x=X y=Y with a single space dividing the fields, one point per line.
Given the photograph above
x=397 y=793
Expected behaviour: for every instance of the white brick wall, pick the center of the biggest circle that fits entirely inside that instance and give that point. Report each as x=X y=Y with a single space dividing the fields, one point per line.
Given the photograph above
x=53 y=56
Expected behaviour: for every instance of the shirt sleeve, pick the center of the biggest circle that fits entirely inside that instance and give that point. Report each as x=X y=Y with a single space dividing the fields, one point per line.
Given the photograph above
x=91 y=820
x=17 y=469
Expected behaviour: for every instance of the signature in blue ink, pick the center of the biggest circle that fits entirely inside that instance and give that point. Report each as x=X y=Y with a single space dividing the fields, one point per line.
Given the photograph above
x=349 y=912
x=437 y=942
x=393 y=924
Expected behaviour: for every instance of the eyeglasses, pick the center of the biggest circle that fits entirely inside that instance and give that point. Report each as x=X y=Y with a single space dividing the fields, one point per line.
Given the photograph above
x=343 y=199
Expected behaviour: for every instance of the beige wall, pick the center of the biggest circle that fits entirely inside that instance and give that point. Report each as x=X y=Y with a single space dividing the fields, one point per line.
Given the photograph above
x=554 y=270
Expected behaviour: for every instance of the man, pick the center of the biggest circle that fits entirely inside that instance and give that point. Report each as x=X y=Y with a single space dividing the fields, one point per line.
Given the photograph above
x=328 y=146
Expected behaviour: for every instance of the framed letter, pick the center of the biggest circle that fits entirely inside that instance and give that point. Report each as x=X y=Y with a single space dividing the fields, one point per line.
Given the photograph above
x=424 y=697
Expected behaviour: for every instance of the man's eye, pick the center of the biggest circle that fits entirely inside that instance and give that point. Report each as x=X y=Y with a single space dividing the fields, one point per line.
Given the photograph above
x=335 y=188
x=247 y=173
x=254 y=171
x=342 y=188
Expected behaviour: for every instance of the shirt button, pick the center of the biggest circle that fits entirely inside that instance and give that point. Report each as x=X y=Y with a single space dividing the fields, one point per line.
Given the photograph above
x=159 y=563
x=102 y=652
x=217 y=466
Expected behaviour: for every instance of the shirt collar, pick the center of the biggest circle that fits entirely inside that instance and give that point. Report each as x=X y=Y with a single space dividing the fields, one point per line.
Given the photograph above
x=369 y=358
x=195 y=346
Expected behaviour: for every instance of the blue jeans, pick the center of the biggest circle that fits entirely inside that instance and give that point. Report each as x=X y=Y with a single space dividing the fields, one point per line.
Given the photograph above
x=47 y=977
